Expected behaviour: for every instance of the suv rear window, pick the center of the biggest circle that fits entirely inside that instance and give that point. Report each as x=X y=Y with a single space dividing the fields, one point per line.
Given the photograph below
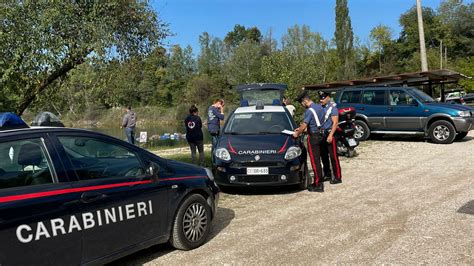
x=350 y=97
x=374 y=97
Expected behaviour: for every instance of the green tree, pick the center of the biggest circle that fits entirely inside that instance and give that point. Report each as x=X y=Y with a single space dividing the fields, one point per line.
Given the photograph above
x=344 y=39
x=43 y=41
x=211 y=58
x=457 y=20
x=245 y=63
x=380 y=37
x=241 y=34
x=466 y=66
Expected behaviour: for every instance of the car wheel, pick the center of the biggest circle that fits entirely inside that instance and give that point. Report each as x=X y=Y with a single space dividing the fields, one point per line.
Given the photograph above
x=362 y=131
x=305 y=183
x=461 y=135
x=192 y=223
x=442 y=132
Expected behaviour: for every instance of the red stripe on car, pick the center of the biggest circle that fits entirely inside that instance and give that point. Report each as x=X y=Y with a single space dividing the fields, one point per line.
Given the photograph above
x=83 y=189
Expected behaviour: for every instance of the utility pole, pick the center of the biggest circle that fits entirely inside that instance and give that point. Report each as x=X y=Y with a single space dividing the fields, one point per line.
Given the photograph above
x=421 y=32
x=441 y=55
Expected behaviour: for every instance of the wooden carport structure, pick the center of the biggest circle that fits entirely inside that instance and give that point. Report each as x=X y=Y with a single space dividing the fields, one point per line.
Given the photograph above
x=426 y=79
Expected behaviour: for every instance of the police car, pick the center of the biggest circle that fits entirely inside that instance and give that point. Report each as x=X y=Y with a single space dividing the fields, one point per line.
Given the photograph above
x=70 y=196
x=256 y=148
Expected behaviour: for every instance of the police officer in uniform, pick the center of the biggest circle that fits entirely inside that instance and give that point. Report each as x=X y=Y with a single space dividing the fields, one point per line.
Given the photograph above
x=320 y=136
x=328 y=147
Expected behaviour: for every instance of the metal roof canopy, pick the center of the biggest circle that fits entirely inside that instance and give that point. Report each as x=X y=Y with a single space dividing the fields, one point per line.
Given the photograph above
x=261 y=86
x=426 y=78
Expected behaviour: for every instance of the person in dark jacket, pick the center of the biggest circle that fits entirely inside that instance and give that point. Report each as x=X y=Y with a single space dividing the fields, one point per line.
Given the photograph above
x=194 y=135
x=215 y=114
x=129 y=122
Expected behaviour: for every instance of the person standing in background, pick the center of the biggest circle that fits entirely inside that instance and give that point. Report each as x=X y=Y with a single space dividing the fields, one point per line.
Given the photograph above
x=129 y=122
x=194 y=135
x=291 y=108
x=215 y=114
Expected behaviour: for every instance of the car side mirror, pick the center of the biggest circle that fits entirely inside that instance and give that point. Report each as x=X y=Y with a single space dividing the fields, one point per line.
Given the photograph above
x=153 y=170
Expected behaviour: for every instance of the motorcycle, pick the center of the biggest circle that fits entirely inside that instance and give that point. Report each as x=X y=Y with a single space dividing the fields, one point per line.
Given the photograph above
x=344 y=135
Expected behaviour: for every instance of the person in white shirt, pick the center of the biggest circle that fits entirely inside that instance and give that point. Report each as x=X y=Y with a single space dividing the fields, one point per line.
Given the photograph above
x=291 y=108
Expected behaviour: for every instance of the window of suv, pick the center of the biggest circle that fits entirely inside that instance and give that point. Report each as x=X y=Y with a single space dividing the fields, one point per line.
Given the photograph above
x=95 y=159
x=24 y=163
x=350 y=97
x=423 y=97
x=400 y=97
x=373 y=97
x=258 y=123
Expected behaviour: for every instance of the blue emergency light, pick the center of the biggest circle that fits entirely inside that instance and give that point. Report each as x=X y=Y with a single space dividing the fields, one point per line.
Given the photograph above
x=9 y=120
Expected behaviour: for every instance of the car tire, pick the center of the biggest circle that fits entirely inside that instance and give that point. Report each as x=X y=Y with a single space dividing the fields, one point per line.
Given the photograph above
x=191 y=224
x=442 y=132
x=461 y=135
x=362 y=130
x=305 y=183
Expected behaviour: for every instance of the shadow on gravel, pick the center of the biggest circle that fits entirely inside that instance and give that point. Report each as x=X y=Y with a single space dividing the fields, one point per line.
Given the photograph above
x=221 y=221
x=409 y=138
x=391 y=137
x=467 y=208
x=261 y=190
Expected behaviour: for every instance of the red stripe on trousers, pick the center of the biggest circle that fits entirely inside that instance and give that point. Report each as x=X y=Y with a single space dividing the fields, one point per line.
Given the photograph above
x=316 y=178
x=336 y=159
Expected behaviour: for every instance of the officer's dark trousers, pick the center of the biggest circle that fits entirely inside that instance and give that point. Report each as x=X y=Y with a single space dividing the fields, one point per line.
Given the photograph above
x=318 y=147
x=314 y=151
x=329 y=151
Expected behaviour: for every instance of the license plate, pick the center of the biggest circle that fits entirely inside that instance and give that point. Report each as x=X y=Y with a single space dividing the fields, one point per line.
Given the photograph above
x=352 y=142
x=257 y=171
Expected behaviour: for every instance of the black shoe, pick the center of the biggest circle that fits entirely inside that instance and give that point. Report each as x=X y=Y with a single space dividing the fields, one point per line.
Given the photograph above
x=314 y=188
x=335 y=181
x=327 y=177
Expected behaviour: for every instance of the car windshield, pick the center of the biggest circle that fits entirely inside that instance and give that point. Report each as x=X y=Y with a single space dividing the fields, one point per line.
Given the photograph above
x=258 y=123
x=422 y=96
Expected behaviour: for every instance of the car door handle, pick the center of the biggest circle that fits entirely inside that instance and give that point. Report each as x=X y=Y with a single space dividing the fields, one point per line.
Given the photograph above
x=88 y=197
x=390 y=108
x=361 y=108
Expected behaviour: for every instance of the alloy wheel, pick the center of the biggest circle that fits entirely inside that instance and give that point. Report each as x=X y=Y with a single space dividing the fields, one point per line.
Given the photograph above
x=359 y=132
x=441 y=132
x=195 y=222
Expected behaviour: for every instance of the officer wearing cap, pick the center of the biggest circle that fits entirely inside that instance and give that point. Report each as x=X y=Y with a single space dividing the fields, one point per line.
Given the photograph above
x=312 y=122
x=328 y=147
x=319 y=137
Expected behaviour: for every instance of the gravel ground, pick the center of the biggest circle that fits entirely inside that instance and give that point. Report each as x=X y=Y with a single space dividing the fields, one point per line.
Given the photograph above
x=402 y=201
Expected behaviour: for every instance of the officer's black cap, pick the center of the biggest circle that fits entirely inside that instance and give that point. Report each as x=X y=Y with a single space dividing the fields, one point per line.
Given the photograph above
x=322 y=95
x=302 y=96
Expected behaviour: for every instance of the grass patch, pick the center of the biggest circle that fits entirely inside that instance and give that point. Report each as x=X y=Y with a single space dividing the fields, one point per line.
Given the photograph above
x=186 y=157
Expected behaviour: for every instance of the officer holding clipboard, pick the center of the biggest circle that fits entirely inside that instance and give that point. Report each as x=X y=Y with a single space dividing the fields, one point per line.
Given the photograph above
x=320 y=137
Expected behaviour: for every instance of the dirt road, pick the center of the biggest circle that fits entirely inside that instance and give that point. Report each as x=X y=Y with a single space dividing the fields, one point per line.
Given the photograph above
x=402 y=201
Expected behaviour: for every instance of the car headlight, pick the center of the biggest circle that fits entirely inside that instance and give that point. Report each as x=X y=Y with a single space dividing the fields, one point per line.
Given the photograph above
x=209 y=173
x=292 y=153
x=464 y=113
x=223 y=154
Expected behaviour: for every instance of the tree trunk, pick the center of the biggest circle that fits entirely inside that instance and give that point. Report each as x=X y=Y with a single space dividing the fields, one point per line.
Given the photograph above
x=34 y=91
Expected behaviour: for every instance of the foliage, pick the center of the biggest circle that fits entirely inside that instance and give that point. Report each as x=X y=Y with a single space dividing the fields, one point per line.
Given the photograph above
x=344 y=39
x=42 y=41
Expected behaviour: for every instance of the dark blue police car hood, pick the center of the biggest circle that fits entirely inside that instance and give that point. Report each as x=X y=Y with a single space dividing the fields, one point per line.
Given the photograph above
x=186 y=169
x=266 y=146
